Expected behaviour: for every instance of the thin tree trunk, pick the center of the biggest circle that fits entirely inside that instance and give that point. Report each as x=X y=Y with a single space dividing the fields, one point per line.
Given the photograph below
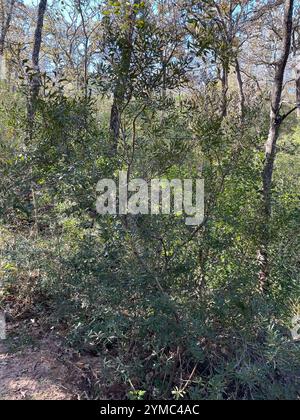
x=2 y=59
x=241 y=88
x=270 y=146
x=36 y=78
x=224 y=81
x=298 y=89
x=2 y=66
x=115 y=122
x=5 y=21
x=86 y=50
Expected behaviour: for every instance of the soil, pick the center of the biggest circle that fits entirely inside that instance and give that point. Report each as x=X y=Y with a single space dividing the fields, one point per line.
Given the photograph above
x=41 y=372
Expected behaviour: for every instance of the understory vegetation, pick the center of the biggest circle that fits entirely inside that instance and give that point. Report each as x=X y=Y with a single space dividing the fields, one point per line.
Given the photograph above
x=151 y=88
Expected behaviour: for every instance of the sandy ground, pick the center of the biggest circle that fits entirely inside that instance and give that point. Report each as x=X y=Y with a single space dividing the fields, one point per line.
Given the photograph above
x=41 y=373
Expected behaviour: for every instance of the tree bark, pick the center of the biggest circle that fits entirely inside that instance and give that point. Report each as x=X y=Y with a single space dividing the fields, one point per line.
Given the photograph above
x=35 y=82
x=241 y=88
x=6 y=13
x=224 y=80
x=2 y=67
x=37 y=48
x=271 y=144
x=86 y=50
x=298 y=89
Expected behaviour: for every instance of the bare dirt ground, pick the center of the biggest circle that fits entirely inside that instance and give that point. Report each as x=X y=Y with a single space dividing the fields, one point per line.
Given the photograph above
x=39 y=373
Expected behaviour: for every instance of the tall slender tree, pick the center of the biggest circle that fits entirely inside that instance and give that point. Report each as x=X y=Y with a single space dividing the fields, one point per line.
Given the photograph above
x=36 y=77
x=6 y=14
x=298 y=88
x=276 y=120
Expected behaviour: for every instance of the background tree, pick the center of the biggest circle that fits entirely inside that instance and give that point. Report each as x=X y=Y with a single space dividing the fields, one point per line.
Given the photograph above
x=36 y=76
x=6 y=14
x=275 y=123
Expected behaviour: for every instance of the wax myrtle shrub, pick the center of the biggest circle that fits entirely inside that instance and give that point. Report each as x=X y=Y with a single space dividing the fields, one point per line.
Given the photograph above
x=171 y=311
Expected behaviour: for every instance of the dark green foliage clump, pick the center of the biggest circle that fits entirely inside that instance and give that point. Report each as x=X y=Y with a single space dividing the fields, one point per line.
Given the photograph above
x=174 y=311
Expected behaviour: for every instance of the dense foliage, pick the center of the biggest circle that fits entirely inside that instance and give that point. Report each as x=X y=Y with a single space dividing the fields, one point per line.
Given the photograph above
x=174 y=311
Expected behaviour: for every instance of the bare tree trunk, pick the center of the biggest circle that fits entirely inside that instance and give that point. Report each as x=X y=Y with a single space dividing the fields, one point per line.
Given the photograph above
x=36 y=78
x=298 y=89
x=115 y=122
x=37 y=47
x=270 y=146
x=2 y=66
x=6 y=13
x=86 y=50
x=225 y=74
x=241 y=88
